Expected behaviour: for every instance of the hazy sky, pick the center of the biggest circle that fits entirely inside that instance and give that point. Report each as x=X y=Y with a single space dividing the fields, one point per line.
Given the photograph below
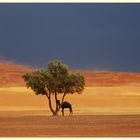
x=85 y=36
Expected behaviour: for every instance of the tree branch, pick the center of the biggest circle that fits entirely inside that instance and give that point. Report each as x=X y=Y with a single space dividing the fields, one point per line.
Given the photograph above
x=63 y=98
x=47 y=95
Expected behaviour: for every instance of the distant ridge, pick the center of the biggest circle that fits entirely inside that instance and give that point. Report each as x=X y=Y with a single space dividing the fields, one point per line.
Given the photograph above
x=11 y=75
x=108 y=78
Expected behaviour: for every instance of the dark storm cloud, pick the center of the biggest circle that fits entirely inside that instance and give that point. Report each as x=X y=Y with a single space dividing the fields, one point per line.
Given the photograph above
x=95 y=36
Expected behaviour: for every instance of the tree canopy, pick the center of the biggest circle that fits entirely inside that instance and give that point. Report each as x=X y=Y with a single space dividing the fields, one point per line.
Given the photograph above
x=54 y=80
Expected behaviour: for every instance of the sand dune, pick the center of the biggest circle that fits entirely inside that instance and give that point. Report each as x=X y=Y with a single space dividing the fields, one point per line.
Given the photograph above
x=109 y=106
x=108 y=78
x=94 y=100
x=11 y=75
x=98 y=99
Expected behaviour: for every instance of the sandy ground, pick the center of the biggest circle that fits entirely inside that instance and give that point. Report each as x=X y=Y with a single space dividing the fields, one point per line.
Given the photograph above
x=94 y=100
x=99 y=111
x=73 y=126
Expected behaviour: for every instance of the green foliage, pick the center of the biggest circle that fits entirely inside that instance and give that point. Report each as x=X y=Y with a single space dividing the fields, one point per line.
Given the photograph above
x=74 y=83
x=36 y=81
x=57 y=68
x=54 y=79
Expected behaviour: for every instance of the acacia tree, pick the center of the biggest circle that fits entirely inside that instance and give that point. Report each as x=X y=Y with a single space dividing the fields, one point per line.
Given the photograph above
x=54 y=80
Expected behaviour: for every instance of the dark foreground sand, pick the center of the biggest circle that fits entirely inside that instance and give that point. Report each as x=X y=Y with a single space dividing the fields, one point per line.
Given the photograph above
x=70 y=126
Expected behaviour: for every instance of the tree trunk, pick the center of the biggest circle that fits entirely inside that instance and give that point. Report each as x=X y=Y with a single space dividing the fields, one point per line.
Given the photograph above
x=56 y=102
x=50 y=105
x=55 y=113
x=61 y=102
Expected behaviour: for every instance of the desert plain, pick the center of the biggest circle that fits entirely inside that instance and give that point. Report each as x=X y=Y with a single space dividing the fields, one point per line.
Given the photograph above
x=108 y=107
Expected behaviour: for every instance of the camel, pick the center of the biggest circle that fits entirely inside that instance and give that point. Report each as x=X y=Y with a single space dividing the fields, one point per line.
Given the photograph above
x=65 y=105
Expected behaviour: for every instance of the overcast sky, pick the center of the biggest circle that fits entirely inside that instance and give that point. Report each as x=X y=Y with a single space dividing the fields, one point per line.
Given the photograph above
x=85 y=36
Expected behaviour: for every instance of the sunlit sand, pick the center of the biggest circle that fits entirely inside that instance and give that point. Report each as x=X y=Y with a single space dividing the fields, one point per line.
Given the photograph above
x=98 y=111
x=94 y=100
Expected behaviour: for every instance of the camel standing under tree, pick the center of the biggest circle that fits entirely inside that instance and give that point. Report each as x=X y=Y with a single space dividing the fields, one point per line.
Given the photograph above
x=65 y=105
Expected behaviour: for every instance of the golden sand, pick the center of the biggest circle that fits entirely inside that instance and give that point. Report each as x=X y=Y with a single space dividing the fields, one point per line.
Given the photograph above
x=94 y=100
